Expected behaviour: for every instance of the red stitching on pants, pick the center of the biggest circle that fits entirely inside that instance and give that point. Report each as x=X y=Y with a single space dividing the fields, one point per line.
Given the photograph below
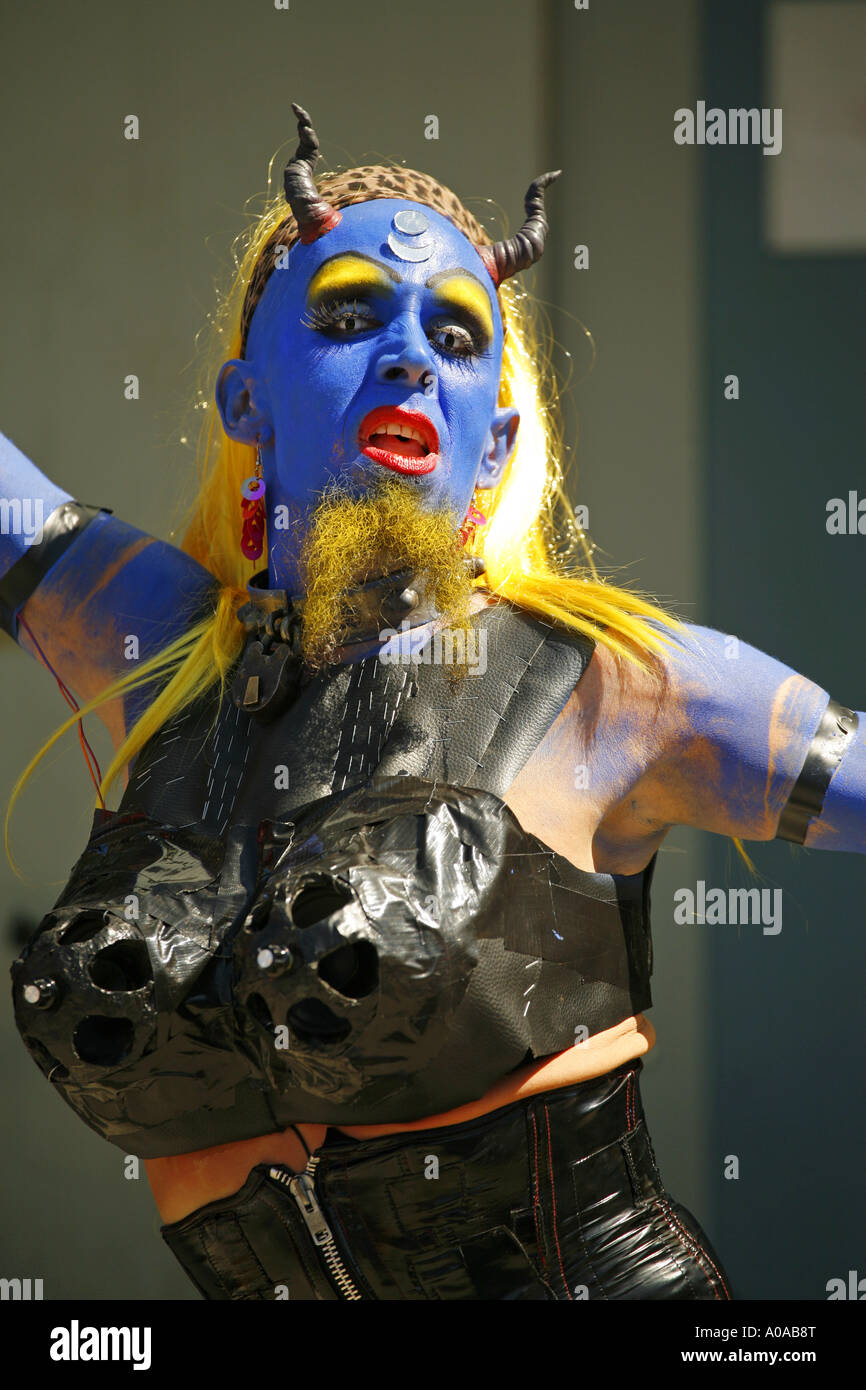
x=538 y=1239
x=686 y=1239
x=553 y=1190
x=629 y=1103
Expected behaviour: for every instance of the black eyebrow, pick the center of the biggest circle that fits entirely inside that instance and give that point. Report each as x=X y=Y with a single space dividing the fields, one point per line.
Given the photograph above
x=449 y=275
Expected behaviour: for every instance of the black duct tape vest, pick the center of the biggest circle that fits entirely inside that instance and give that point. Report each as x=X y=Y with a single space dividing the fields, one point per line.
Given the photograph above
x=332 y=917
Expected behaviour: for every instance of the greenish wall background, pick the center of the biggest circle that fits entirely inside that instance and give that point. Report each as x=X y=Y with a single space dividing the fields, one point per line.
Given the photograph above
x=631 y=196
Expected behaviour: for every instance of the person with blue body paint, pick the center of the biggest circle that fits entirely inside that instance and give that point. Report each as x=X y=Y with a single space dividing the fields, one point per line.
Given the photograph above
x=359 y=964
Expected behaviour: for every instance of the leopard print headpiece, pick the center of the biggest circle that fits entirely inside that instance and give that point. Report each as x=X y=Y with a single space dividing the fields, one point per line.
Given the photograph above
x=315 y=211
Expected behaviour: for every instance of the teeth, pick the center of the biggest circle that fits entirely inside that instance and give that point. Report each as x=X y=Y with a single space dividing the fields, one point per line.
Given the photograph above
x=405 y=430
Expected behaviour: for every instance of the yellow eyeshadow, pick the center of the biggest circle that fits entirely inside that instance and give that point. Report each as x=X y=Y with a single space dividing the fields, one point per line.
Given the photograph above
x=345 y=273
x=469 y=295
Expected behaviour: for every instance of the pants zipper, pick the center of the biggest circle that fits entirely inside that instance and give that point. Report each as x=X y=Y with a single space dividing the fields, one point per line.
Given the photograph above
x=303 y=1188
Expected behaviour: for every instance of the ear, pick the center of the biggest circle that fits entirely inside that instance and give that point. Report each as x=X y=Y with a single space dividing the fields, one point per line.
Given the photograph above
x=499 y=446
x=243 y=411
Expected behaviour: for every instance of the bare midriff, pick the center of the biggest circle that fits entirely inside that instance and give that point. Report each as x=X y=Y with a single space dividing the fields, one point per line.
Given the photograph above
x=185 y=1182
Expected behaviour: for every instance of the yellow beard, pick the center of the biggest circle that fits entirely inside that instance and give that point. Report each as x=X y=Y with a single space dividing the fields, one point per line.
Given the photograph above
x=351 y=540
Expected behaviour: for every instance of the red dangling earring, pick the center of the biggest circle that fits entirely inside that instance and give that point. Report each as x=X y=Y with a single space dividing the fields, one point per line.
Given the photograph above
x=253 y=509
x=474 y=519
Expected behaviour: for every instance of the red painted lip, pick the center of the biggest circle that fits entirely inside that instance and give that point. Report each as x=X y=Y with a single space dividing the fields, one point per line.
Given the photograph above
x=399 y=463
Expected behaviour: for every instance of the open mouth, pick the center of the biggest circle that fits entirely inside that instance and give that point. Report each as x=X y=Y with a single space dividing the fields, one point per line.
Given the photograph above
x=403 y=440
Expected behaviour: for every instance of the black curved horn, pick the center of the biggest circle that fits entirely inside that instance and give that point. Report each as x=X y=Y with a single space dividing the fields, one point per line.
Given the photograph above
x=519 y=252
x=313 y=214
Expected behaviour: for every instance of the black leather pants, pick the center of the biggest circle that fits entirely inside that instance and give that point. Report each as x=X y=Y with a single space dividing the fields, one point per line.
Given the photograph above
x=554 y=1197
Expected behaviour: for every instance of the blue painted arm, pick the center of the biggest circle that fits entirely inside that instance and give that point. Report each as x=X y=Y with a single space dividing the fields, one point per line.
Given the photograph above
x=739 y=725
x=27 y=499
x=114 y=598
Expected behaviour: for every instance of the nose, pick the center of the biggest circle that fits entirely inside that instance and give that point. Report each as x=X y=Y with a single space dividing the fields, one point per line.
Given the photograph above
x=407 y=357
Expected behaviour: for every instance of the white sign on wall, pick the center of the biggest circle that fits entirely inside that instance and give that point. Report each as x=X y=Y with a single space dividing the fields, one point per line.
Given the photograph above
x=815 y=190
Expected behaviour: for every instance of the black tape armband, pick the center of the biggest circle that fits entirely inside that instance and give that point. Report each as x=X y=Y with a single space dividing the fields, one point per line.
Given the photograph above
x=826 y=751
x=63 y=526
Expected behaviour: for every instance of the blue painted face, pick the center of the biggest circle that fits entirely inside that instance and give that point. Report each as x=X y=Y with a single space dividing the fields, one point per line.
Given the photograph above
x=389 y=322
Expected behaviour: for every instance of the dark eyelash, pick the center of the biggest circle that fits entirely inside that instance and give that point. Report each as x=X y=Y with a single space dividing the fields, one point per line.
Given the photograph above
x=329 y=311
x=459 y=361
x=476 y=348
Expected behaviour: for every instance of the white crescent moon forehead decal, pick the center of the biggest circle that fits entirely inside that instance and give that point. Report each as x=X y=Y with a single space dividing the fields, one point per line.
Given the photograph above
x=410 y=224
x=412 y=221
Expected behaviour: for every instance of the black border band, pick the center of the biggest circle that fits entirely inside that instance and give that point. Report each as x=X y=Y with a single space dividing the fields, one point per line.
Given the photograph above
x=825 y=753
x=63 y=526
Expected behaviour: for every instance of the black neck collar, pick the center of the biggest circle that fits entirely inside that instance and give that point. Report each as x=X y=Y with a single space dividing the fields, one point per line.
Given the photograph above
x=272 y=671
x=384 y=602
